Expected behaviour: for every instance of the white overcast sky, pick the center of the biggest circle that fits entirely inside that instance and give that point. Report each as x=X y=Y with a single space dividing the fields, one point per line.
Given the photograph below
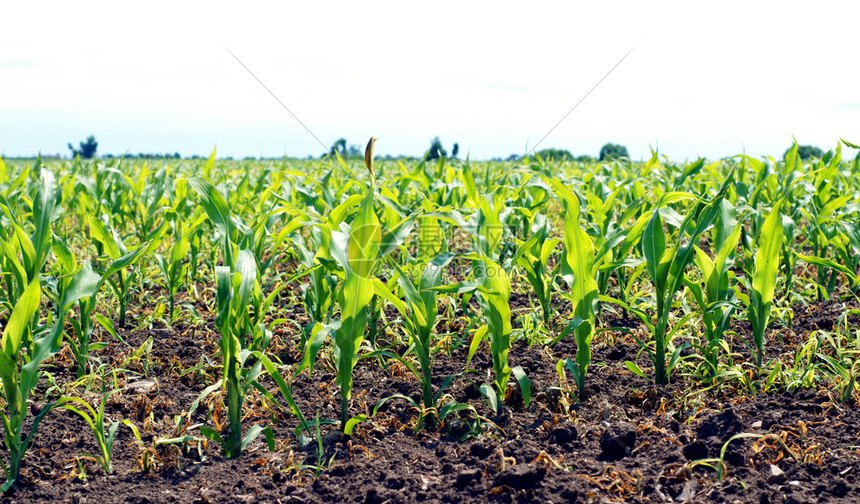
x=706 y=79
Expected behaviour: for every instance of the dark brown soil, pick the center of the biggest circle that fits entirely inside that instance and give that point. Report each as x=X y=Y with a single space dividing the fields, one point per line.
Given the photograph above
x=629 y=442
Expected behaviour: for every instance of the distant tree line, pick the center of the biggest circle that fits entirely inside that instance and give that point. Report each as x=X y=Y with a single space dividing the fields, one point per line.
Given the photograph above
x=87 y=150
x=608 y=152
x=149 y=155
x=806 y=152
x=352 y=151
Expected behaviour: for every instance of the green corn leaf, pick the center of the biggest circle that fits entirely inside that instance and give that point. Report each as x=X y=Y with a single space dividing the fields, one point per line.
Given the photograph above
x=491 y=228
x=477 y=339
x=246 y=267
x=828 y=263
x=350 y=425
x=339 y=213
x=101 y=233
x=84 y=284
x=849 y=144
x=430 y=238
x=209 y=165
x=491 y=397
x=365 y=237
x=28 y=252
x=469 y=184
x=21 y=315
x=212 y=434
x=218 y=211
x=254 y=432
x=704 y=263
x=394 y=238
x=728 y=249
x=43 y=212
x=653 y=246
x=354 y=299
x=524 y=383
x=635 y=368
x=383 y=291
x=64 y=256
x=791 y=157
x=767 y=257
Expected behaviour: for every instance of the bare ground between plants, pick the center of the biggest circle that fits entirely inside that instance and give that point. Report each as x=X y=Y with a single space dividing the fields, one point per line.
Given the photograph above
x=629 y=442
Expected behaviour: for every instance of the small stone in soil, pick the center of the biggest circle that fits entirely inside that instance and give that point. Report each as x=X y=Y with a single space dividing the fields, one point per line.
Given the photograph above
x=618 y=440
x=775 y=475
x=480 y=449
x=689 y=491
x=467 y=476
x=142 y=386
x=520 y=476
x=695 y=451
x=564 y=434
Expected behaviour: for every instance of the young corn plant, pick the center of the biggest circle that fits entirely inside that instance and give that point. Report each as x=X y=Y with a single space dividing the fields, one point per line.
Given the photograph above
x=419 y=313
x=583 y=292
x=96 y=421
x=666 y=266
x=19 y=378
x=365 y=237
x=533 y=256
x=760 y=299
x=19 y=365
x=319 y=295
x=233 y=296
x=24 y=255
x=494 y=287
x=713 y=292
x=70 y=274
x=120 y=279
x=494 y=294
x=235 y=281
x=173 y=266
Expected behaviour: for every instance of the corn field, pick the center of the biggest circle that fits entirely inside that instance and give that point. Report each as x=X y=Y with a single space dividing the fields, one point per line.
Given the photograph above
x=372 y=331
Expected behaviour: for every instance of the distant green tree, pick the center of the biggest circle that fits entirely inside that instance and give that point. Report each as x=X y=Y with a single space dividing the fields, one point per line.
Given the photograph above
x=455 y=150
x=555 y=154
x=354 y=151
x=436 y=150
x=88 y=148
x=338 y=146
x=806 y=152
x=613 y=151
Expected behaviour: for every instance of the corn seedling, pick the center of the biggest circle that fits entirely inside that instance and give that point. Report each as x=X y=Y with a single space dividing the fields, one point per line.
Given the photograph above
x=19 y=378
x=419 y=313
x=494 y=295
x=117 y=274
x=533 y=256
x=666 y=268
x=96 y=421
x=583 y=294
x=174 y=265
x=713 y=292
x=235 y=281
x=761 y=288
x=365 y=237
